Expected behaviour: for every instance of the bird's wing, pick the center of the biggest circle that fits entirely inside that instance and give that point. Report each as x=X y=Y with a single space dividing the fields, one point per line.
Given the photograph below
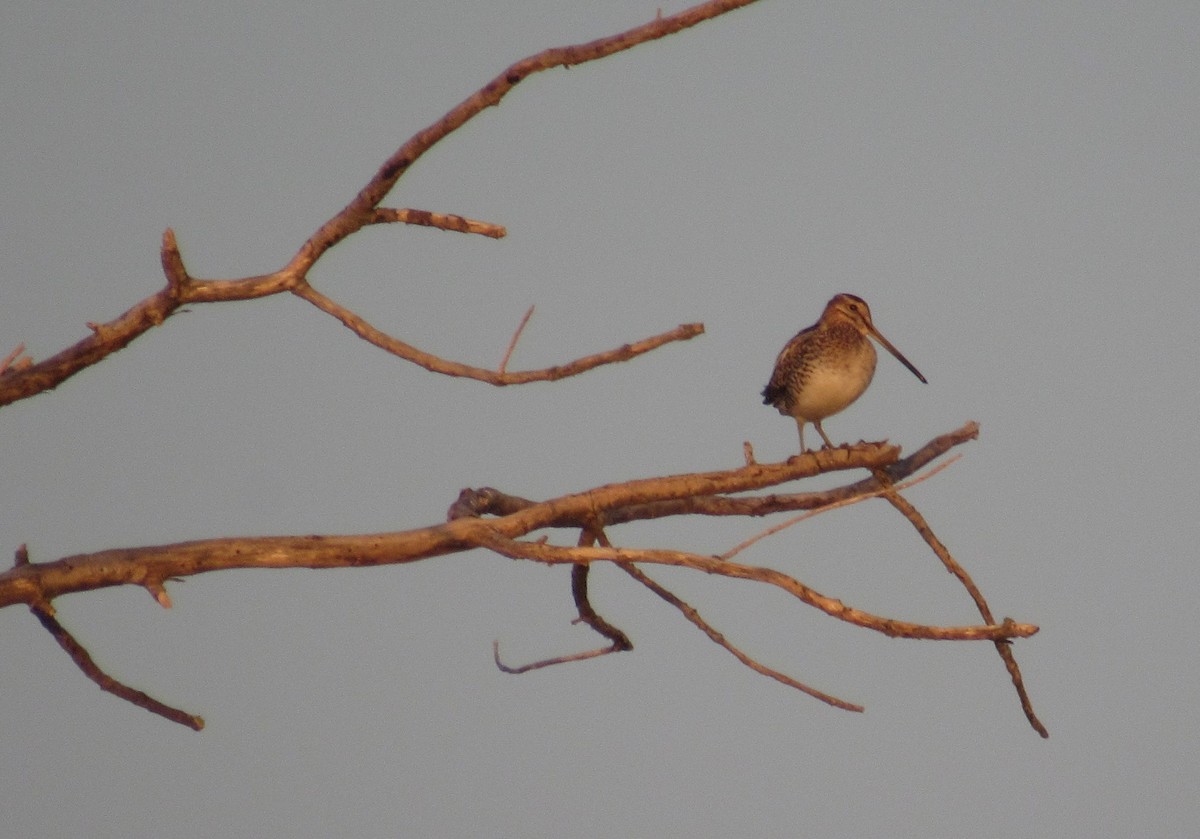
x=777 y=387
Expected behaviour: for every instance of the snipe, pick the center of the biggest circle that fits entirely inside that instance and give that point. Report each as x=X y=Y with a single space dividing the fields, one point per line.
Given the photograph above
x=829 y=365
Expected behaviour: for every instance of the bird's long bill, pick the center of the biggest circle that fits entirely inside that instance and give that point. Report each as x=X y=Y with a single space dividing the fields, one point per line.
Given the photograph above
x=899 y=357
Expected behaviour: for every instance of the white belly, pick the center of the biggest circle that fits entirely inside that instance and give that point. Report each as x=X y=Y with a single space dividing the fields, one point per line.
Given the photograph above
x=828 y=390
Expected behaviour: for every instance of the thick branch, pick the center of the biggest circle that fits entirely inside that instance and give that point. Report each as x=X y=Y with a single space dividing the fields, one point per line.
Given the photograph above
x=151 y=566
x=489 y=501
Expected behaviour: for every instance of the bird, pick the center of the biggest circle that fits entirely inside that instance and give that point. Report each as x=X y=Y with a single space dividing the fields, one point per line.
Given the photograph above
x=827 y=366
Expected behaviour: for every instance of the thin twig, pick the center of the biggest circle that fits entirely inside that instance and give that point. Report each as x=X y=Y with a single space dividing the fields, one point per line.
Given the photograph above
x=833 y=505
x=692 y=615
x=442 y=221
x=621 y=642
x=14 y=361
x=579 y=592
x=588 y=615
x=1004 y=648
x=557 y=555
x=548 y=662
x=762 y=505
x=84 y=662
x=512 y=345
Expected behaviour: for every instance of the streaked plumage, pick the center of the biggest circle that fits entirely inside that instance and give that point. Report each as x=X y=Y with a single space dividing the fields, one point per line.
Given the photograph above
x=828 y=365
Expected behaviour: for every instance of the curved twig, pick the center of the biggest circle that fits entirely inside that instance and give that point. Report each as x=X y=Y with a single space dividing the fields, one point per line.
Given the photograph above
x=587 y=614
x=83 y=660
x=436 y=364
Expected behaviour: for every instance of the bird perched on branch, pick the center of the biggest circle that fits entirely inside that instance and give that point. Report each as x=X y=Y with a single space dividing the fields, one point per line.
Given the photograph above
x=828 y=365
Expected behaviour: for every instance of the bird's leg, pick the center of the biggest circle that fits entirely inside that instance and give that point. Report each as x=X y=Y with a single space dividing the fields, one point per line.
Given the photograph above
x=800 y=425
x=824 y=437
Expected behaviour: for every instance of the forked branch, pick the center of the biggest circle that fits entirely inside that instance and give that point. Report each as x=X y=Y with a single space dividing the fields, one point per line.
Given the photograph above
x=621 y=642
x=689 y=612
x=557 y=555
x=20 y=381
x=517 y=519
x=587 y=614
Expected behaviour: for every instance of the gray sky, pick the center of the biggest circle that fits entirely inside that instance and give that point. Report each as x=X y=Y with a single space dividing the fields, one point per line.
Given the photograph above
x=1013 y=188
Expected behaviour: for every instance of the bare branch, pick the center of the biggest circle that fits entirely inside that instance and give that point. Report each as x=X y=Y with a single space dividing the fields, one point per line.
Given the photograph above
x=579 y=590
x=442 y=221
x=621 y=642
x=556 y=555
x=1002 y=647
x=490 y=501
x=548 y=662
x=707 y=493
x=512 y=345
x=138 y=566
x=692 y=615
x=833 y=505
x=436 y=364
x=172 y=264
x=15 y=360
x=84 y=662
x=347 y=221
x=37 y=584
x=109 y=337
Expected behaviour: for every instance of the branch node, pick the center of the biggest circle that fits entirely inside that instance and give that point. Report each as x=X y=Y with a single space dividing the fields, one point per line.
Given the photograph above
x=748 y=453
x=159 y=593
x=15 y=360
x=172 y=263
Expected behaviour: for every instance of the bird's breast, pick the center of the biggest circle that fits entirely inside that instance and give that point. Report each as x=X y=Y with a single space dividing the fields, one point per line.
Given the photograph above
x=830 y=384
